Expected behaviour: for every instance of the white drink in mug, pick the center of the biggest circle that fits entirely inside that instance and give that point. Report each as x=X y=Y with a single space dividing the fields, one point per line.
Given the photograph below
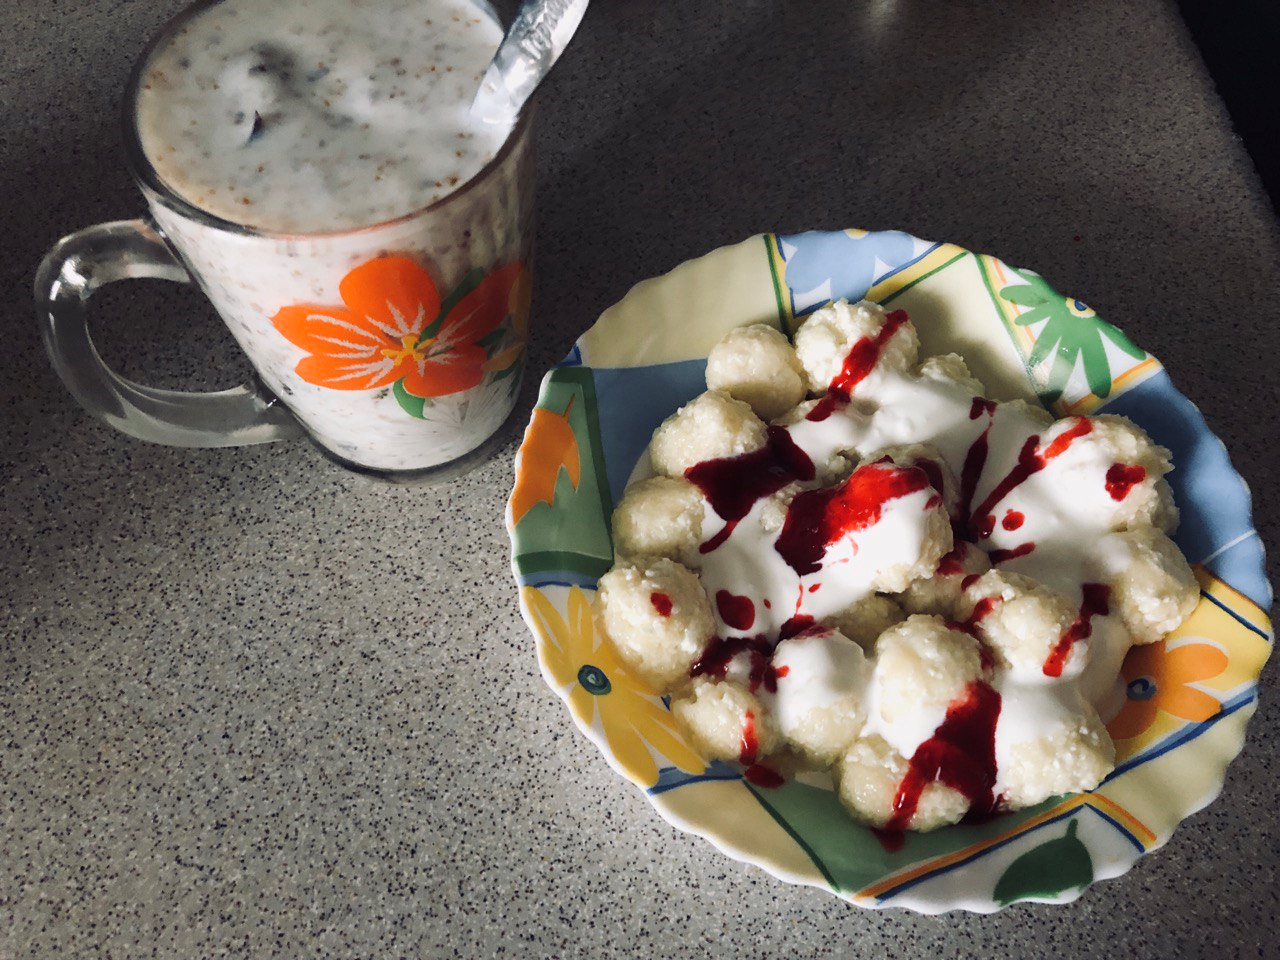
x=314 y=167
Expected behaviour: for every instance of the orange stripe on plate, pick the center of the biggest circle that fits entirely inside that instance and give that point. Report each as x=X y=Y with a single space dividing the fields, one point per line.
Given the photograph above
x=1136 y=826
x=1113 y=809
x=946 y=860
x=1138 y=372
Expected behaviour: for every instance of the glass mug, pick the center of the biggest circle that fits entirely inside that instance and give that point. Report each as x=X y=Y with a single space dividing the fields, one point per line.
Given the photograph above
x=398 y=348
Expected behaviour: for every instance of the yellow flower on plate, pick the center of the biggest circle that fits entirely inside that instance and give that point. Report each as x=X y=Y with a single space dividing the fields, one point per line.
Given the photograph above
x=631 y=716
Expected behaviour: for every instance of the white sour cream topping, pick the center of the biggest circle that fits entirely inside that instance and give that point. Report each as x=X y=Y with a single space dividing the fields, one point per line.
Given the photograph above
x=816 y=670
x=748 y=564
x=1066 y=512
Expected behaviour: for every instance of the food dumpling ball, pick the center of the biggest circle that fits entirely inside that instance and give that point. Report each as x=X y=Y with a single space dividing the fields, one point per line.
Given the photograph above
x=1158 y=511
x=660 y=517
x=773 y=508
x=868 y=777
x=1023 y=622
x=941 y=593
x=757 y=365
x=1156 y=589
x=922 y=666
x=1138 y=464
x=935 y=543
x=950 y=368
x=926 y=458
x=711 y=426
x=831 y=462
x=828 y=334
x=864 y=621
x=1074 y=755
x=726 y=721
x=1034 y=414
x=658 y=617
x=821 y=681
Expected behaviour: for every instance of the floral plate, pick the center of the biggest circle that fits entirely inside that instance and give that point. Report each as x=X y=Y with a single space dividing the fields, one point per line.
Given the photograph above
x=1189 y=697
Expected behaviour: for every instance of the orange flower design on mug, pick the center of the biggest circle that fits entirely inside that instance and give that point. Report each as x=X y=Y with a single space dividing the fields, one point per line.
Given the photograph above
x=394 y=329
x=1158 y=678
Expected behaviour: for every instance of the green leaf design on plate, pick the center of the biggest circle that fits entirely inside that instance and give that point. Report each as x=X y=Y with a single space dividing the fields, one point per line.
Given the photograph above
x=1024 y=296
x=1047 y=871
x=1071 y=332
x=412 y=405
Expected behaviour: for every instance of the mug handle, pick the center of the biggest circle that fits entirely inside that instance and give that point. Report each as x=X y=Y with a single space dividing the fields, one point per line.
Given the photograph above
x=127 y=249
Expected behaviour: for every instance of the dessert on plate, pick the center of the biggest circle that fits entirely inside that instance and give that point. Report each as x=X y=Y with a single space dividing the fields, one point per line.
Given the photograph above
x=847 y=558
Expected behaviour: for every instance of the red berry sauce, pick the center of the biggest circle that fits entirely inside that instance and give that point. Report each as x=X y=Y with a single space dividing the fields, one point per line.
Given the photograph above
x=1122 y=478
x=762 y=776
x=738 y=612
x=961 y=754
x=1096 y=602
x=817 y=519
x=732 y=485
x=750 y=744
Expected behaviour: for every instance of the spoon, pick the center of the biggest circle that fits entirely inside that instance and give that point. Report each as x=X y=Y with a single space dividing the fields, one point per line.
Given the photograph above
x=537 y=37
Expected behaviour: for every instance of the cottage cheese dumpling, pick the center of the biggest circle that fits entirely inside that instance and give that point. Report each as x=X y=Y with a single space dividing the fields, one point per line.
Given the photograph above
x=826 y=337
x=659 y=517
x=1156 y=589
x=868 y=776
x=772 y=514
x=1158 y=511
x=831 y=463
x=1138 y=465
x=796 y=558
x=928 y=459
x=935 y=544
x=950 y=368
x=712 y=426
x=758 y=366
x=726 y=721
x=658 y=618
x=1071 y=756
x=1022 y=621
x=943 y=593
x=921 y=667
x=821 y=683
x=864 y=621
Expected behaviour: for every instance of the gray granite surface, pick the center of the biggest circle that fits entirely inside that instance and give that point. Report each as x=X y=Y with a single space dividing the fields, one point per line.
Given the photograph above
x=251 y=705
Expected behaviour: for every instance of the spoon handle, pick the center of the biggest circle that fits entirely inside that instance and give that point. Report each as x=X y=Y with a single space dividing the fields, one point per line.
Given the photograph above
x=539 y=34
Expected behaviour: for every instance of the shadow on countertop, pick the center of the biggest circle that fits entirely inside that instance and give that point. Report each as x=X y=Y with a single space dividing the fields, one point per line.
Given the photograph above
x=1238 y=39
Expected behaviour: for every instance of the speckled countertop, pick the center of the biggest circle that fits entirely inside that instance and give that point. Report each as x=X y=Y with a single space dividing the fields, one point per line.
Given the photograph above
x=251 y=705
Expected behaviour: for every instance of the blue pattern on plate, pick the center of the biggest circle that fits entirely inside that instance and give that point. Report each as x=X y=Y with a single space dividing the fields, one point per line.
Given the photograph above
x=573 y=358
x=631 y=402
x=671 y=777
x=557 y=578
x=823 y=266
